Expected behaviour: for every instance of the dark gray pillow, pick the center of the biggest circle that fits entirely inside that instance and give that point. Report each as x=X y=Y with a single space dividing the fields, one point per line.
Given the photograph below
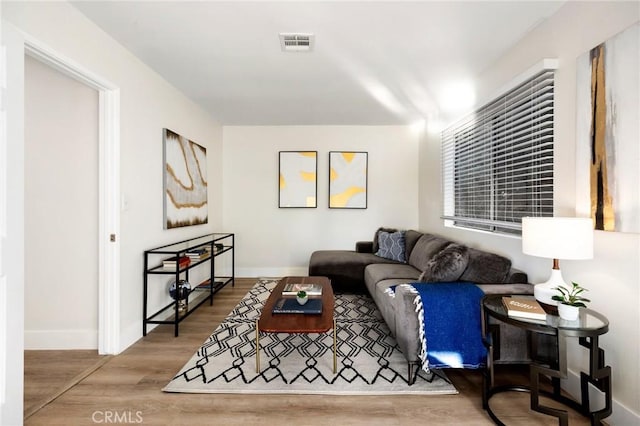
x=447 y=265
x=486 y=268
x=391 y=246
x=375 y=238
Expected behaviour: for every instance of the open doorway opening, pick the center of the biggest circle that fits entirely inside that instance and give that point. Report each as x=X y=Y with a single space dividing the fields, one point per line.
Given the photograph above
x=108 y=189
x=61 y=210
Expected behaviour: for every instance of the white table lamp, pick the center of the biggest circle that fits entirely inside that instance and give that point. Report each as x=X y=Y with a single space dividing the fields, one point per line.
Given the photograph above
x=556 y=238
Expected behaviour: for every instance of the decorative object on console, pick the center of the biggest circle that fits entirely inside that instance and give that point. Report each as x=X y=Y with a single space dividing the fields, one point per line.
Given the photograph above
x=570 y=301
x=176 y=262
x=185 y=182
x=182 y=293
x=348 y=180
x=298 y=183
x=556 y=238
x=198 y=254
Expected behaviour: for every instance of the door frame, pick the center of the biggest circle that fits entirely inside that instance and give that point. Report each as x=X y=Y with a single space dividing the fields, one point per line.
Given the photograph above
x=108 y=189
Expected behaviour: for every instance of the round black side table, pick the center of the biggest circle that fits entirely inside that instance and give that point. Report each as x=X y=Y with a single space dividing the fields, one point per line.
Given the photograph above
x=587 y=328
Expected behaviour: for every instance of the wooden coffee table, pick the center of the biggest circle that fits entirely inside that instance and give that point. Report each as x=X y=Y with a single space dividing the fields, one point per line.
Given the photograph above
x=298 y=323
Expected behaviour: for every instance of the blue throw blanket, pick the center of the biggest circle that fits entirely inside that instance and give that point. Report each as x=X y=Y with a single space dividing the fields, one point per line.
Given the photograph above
x=450 y=319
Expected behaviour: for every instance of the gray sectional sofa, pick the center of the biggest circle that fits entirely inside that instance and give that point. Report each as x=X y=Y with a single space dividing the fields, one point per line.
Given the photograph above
x=414 y=256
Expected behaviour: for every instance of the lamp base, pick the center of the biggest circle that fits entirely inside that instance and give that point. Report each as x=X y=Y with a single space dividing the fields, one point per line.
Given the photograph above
x=544 y=291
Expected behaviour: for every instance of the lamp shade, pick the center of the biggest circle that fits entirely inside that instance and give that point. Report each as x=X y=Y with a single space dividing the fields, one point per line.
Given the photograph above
x=558 y=237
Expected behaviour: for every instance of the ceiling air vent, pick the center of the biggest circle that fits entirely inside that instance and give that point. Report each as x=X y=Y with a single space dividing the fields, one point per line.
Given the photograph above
x=296 y=42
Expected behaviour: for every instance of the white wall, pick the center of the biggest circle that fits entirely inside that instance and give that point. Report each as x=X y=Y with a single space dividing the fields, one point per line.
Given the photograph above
x=613 y=276
x=61 y=210
x=12 y=234
x=276 y=242
x=148 y=103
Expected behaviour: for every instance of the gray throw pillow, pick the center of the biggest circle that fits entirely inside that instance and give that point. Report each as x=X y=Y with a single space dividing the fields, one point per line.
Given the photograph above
x=391 y=246
x=447 y=265
x=486 y=268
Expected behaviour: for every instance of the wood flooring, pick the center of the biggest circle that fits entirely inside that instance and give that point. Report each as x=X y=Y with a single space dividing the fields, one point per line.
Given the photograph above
x=126 y=389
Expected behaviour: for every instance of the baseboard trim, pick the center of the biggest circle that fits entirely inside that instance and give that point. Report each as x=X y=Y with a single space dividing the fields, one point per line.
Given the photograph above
x=60 y=339
x=621 y=415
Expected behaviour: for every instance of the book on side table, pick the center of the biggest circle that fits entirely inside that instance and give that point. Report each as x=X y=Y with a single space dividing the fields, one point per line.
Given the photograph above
x=291 y=306
x=521 y=307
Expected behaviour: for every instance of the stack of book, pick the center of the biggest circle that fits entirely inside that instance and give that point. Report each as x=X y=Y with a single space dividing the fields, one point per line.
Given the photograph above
x=176 y=262
x=522 y=307
x=198 y=254
x=310 y=289
x=288 y=305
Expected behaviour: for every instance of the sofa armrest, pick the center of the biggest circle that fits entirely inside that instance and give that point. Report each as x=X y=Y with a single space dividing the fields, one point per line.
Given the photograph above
x=364 y=247
x=407 y=324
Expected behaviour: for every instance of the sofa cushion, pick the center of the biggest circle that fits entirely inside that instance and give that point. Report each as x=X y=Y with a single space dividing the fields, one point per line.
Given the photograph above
x=426 y=247
x=378 y=272
x=411 y=237
x=447 y=265
x=375 y=247
x=391 y=246
x=486 y=268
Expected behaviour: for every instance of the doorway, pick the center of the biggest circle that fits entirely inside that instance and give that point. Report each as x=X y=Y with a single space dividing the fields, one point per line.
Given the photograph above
x=61 y=210
x=108 y=189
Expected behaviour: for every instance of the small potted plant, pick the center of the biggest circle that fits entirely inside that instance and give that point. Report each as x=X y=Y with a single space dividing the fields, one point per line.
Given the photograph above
x=302 y=297
x=570 y=300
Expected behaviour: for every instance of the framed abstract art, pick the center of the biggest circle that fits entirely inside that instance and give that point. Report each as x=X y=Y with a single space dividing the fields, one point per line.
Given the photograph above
x=348 y=180
x=297 y=182
x=607 y=134
x=185 y=181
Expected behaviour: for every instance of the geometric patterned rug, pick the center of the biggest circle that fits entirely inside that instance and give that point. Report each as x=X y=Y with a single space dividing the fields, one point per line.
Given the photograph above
x=369 y=361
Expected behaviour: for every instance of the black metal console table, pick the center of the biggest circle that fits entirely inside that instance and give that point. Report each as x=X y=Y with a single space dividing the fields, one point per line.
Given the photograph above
x=587 y=328
x=215 y=245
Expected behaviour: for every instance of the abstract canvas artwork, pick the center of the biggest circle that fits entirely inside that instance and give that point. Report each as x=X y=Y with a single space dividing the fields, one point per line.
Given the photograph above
x=347 y=180
x=608 y=135
x=298 y=179
x=185 y=181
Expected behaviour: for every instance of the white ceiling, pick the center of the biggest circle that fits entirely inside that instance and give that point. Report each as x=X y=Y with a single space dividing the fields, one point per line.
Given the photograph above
x=373 y=62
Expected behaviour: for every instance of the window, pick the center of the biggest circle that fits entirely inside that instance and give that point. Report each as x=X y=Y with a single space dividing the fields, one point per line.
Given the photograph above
x=497 y=162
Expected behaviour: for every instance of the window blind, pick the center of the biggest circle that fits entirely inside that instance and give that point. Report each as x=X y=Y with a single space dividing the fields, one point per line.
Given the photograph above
x=497 y=163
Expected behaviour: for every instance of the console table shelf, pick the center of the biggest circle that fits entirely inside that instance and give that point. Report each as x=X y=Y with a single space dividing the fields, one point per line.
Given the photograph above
x=216 y=244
